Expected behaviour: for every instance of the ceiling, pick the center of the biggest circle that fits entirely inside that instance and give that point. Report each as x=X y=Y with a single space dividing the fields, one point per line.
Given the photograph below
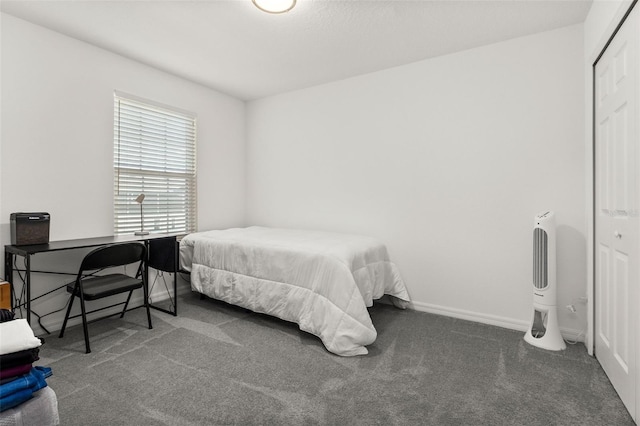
x=233 y=47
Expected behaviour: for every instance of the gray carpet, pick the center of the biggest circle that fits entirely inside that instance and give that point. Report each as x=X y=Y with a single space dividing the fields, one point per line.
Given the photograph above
x=216 y=364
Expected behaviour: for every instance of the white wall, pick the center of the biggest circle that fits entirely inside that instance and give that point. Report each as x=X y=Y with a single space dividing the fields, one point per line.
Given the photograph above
x=57 y=135
x=447 y=161
x=603 y=18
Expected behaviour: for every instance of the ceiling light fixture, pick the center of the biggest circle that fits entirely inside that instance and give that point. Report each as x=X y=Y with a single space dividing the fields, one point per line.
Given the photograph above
x=274 y=6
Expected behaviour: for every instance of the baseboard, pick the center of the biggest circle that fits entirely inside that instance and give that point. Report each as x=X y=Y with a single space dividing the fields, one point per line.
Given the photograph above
x=568 y=334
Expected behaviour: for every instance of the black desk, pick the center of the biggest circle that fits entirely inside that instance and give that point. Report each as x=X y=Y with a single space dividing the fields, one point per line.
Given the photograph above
x=27 y=251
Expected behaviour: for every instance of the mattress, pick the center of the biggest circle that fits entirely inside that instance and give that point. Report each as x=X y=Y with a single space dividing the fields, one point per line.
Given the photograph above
x=322 y=281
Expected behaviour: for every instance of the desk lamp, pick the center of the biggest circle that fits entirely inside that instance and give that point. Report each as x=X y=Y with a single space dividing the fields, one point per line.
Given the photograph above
x=139 y=200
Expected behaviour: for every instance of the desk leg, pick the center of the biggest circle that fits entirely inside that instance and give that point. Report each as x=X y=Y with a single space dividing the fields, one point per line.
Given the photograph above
x=8 y=274
x=145 y=267
x=145 y=281
x=27 y=277
x=176 y=268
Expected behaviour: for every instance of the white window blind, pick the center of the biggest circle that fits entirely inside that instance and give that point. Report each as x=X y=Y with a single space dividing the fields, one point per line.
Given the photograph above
x=154 y=155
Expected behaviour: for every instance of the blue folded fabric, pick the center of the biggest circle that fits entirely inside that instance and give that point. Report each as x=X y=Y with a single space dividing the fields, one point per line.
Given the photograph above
x=46 y=371
x=15 y=399
x=22 y=388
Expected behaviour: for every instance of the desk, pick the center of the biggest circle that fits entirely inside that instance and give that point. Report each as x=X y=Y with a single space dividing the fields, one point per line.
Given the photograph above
x=27 y=251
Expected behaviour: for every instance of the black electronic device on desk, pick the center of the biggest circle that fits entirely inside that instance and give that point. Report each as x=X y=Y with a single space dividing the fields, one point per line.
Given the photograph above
x=29 y=228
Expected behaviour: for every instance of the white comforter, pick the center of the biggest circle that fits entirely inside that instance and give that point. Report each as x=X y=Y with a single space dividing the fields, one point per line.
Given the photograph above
x=321 y=281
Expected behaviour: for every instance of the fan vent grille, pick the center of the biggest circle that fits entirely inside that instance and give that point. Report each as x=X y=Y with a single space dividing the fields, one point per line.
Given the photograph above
x=540 y=276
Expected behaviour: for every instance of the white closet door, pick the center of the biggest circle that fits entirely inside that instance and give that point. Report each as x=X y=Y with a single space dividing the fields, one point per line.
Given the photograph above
x=617 y=210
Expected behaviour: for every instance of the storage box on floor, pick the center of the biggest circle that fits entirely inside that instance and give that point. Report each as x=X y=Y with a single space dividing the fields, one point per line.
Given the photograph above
x=25 y=398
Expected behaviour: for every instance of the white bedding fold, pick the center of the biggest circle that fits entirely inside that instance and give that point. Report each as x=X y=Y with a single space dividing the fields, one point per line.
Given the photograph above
x=322 y=281
x=16 y=335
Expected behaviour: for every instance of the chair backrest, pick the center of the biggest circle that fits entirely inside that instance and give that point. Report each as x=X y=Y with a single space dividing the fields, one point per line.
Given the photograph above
x=162 y=254
x=113 y=255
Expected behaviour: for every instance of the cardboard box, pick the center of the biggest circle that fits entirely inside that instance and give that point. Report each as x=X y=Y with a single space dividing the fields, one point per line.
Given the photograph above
x=5 y=295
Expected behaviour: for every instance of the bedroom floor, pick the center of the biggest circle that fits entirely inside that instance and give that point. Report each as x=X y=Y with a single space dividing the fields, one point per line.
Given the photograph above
x=217 y=364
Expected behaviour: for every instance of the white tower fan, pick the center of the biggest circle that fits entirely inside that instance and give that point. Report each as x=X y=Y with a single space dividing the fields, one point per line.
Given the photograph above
x=544 y=331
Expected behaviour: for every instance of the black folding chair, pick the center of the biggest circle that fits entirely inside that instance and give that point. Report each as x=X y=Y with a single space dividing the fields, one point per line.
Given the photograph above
x=88 y=286
x=163 y=257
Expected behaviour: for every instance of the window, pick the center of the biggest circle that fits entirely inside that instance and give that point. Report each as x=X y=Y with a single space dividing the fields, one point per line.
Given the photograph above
x=154 y=155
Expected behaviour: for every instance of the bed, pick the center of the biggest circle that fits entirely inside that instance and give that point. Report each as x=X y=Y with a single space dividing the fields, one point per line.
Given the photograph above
x=321 y=281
